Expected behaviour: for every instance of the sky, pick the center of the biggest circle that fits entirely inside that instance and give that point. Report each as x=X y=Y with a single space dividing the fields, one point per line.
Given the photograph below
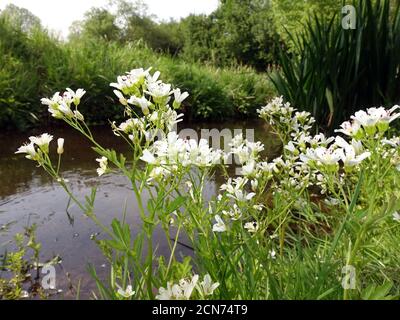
x=58 y=15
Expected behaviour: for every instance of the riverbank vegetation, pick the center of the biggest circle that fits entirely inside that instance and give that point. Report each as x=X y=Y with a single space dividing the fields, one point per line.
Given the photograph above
x=309 y=224
x=232 y=60
x=93 y=60
x=318 y=221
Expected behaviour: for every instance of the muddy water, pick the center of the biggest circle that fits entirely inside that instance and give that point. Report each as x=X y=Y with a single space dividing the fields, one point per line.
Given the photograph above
x=28 y=196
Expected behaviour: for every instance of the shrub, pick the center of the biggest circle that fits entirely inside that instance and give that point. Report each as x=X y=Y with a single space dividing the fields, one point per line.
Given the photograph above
x=335 y=70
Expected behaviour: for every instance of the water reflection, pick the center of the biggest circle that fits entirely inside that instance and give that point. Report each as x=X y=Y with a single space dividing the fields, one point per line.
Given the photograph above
x=28 y=195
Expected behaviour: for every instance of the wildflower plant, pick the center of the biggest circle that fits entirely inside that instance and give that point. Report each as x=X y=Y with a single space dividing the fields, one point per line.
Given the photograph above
x=283 y=229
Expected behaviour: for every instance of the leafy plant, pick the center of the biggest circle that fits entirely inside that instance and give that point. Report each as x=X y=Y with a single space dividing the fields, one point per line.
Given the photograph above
x=334 y=71
x=287 y=228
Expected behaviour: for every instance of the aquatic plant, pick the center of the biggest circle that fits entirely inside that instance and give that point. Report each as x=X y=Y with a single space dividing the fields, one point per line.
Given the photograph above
x=21 y=270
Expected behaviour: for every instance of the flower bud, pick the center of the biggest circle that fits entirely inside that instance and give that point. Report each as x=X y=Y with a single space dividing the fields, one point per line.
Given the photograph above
x=60 y=146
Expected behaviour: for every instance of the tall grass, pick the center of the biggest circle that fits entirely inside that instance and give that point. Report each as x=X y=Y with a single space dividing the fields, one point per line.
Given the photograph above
x=36 y=65
x=336 y=71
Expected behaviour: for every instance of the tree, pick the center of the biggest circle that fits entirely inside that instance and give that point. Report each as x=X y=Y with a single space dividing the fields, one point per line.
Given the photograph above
x=240 y=31
x=290 y=16
x=98 y=23
x=21 y=18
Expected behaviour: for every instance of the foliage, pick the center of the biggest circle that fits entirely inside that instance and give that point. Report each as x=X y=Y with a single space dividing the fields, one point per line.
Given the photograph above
x=50 y=65
x=29 y=63
x=15 y=268
x=20 y=18
x=286 y=229
x=237 y=32
x=333 y=70
x=289 y=16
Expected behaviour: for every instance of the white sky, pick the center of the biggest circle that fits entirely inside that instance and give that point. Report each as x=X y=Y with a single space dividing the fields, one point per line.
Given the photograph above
x=59 y=14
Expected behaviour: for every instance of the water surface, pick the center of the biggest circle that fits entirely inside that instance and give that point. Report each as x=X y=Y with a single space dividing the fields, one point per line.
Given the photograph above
x=28 y=195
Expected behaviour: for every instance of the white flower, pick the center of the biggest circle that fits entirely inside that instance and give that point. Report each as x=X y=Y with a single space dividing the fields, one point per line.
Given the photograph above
x=76 y=96
x=169 y=118
x=220 y=225
x=179 y=97
x=30 y=151
x=349 y=157
x=366 y=119
x=394 y=142
x=235 y=213
x=249 y=169
x=234 y=188
x=121 y=98
x=349 y=129
x=207 y=287
x=103 y=162
x=251 y=227
x=158 y=173
x=169 y=293
x=322 y=156
x=243 y=152
x=272 y=253
x=351 y=154
x=127 y=293
x=181 y=291
x=291 y=148
x=172 y=151
x=141 y=102
x=254 y=184
x=276 y=109
x=246 y=151
x=153 y=78
x=258 y=207
x=396 y=216
x=236 y=141
x=128 y=83
x=42 y=141
x=148 y=157
x=159 y=90
x=54 y=104
x=60 y=146
x=370 y=120
x=131 y=125
x=65 y=109
x=188 y=286
x=319 y=140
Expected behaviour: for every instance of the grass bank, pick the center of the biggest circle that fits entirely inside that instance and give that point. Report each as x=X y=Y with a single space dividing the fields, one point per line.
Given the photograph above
x=35 y=64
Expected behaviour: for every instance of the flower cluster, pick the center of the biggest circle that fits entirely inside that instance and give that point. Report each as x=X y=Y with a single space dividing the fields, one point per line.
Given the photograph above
x=287 y=122
x=276 y=111
x=169 y=154
x=349 y=155
x=60 y=105
x=247 y=153
x=139 y=90
x=125 y=293
x=37 y=146
x=103 y=163
x=184 y=289
x=369 y=122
